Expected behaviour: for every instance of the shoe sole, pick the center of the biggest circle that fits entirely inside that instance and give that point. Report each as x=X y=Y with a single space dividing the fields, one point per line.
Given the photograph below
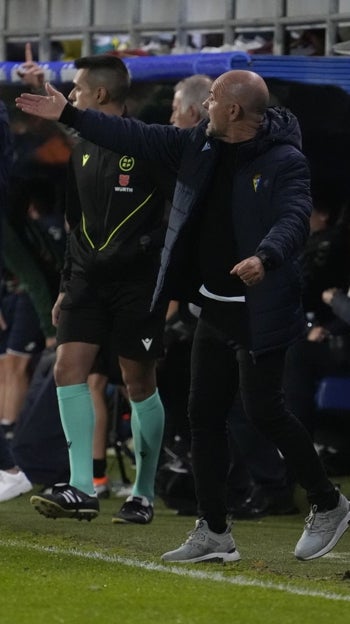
x=342 y=527
x=118 y=520
x=211 y=558
x=50 y=509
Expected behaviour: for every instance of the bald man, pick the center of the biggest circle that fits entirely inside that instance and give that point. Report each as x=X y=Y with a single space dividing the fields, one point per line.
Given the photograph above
x=239 y=219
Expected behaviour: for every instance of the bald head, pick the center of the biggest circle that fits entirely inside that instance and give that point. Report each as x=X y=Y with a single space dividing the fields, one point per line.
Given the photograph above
x=236 y=105
x=248 y=88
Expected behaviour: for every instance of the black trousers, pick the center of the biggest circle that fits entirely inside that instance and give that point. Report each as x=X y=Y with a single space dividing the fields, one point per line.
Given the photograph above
x=220 y=365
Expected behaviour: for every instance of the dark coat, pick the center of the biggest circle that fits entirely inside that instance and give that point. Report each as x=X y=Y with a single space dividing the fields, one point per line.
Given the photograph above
x=271 y=206
x=6 y=156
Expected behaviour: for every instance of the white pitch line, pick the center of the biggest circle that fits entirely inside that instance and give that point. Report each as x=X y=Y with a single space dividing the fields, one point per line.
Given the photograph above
x=338 y=556
x=241 y=581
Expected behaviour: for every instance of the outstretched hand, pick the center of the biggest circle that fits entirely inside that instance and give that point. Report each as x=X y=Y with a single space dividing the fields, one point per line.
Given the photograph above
x=48 y=106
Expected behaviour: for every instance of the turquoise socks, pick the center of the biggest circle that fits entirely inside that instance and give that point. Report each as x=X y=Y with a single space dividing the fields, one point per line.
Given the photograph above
x=78 y=422
x=147 y=425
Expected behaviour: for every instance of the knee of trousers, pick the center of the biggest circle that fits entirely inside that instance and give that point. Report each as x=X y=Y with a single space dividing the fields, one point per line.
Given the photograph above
x=208 y=422
x=264 y=413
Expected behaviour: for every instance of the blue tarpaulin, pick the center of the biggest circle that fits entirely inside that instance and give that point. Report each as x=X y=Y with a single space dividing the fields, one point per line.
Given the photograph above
x=325 y=70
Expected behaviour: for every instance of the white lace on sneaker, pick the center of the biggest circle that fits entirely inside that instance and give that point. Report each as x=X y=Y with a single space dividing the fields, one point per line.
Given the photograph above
x=205 y=545
x=323 y=529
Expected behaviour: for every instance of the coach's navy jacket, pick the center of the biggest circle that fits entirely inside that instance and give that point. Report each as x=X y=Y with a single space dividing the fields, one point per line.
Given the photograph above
x=271 y=205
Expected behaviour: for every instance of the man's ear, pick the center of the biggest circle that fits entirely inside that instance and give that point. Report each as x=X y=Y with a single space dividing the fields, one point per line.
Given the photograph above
x=102 y=95
x=236 y=111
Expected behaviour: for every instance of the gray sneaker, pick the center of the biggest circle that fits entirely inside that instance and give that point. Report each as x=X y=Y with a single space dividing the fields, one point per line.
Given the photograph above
x=204 y=545
x=322 y=530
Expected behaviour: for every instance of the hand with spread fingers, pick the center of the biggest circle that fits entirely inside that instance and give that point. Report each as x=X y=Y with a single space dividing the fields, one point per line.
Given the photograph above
x=48 y=106
x=250 y=271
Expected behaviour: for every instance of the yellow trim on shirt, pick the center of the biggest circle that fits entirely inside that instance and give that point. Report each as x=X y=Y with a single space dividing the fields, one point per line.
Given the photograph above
x=118 y=226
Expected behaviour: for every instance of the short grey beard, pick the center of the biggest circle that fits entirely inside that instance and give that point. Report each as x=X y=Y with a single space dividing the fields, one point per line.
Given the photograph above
x=212 y=134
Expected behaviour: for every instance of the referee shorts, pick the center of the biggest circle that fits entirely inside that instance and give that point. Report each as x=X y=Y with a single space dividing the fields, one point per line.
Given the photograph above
x=114 y=315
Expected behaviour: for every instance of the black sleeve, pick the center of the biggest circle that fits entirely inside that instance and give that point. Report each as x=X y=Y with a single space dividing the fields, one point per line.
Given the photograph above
x=73 y=218
x=72 y=199
x=67 y=264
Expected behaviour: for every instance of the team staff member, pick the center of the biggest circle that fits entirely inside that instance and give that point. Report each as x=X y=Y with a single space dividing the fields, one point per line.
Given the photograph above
x=241 y=208
x=114 y=211
x=187 y=105
x=13 y=481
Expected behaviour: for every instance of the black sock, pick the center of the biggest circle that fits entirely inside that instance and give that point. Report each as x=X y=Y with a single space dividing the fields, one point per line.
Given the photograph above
x=327 y=501
x=217 y=526
x=100 y=466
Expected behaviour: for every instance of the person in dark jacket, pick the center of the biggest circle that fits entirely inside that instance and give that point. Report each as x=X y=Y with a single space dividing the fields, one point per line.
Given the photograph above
x=115 y=211
x=240 y=216
x=6 y=159
x=257 y=482
x=13 y=481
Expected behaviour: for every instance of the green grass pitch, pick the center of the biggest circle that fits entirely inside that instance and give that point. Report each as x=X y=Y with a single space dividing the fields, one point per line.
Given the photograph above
x=70 y=572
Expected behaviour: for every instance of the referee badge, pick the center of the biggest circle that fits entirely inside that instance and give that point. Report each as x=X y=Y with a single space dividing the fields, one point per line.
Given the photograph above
x=126 y=163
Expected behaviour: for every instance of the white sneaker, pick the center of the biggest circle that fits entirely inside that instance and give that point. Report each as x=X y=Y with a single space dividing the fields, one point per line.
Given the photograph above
x=205 y=545
x=124 y=491
x=323 y=530
x=13 y=484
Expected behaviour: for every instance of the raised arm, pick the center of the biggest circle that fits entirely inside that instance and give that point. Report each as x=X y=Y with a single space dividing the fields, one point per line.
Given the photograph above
x=31 y=73
x=119 y=134
x=48 y=106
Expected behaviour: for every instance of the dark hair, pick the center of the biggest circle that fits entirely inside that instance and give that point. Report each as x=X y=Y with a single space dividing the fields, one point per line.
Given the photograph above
x=107 y=71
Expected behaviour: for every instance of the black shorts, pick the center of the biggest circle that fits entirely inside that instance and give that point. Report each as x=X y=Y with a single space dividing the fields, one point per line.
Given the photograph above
x=115 y=316
x=23 y=335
